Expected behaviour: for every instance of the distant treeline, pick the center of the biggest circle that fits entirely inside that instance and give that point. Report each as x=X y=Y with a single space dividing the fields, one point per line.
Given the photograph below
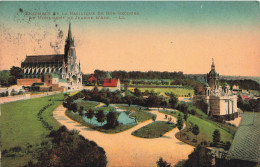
x=140 y=75
x=246 y=84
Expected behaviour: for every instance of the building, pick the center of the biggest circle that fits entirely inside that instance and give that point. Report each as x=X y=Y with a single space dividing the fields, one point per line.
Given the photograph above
x=245 y=148
x=59 y=67
x=112 y=84
x=222 y=102
x=92 y=79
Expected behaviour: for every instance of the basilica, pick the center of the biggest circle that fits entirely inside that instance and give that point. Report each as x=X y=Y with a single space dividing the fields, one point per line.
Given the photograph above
x=222 y=102
x=61 y=69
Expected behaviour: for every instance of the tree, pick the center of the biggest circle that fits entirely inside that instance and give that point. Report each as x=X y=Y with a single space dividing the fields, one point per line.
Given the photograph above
x=216 y=137
x=173 y=101
x=153 y=101
x=182 y=107
x=137 y=92
x=162 y=163
x=163 y=103
x=112 y=119
x=107 y=101
x=12 y=80
x=195 y=131
x=100 y=116
x=90 y=114
x=81 y=108
x=126 y=86
x=129 y=100
x=73 y=107
x=70 y=149
x=200 y=157
x=179 y=123
x=185 y=117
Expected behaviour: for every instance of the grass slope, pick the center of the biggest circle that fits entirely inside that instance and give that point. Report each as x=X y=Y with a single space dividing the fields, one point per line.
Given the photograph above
x=206 y=128
x=154 y=130
x=20 y=126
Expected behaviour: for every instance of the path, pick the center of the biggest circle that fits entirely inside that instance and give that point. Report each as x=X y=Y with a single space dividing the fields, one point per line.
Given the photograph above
x=9 y=99
x=123 y=149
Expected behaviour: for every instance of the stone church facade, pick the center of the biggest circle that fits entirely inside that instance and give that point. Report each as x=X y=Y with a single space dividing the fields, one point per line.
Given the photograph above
x=222 y=102
x=63 y=66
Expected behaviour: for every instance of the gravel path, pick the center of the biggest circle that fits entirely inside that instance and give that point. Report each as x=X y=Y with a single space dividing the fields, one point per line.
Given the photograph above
x=123 y=149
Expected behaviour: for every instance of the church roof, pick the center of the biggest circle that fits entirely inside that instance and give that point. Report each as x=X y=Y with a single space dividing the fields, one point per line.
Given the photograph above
x=44 y=58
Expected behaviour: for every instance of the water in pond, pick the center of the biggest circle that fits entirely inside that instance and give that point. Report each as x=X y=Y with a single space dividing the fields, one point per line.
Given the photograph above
x=123 y=118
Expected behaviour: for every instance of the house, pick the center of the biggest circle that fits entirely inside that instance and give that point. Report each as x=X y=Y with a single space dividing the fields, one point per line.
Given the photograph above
x=92 y=79
x=112 y=84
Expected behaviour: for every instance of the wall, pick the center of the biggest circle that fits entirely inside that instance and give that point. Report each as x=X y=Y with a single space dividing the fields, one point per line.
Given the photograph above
x=214 y=105
x=28 y=81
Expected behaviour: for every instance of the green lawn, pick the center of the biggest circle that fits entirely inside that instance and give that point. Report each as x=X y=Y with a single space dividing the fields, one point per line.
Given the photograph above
x=154 y=130
x=176 y=91
x=20 y=127
x=87 y=104
x=199 y=112
x=92 y=105
x=206 y=128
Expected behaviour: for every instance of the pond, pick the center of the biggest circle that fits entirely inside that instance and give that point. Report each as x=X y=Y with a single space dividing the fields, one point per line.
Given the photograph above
x=123 y=118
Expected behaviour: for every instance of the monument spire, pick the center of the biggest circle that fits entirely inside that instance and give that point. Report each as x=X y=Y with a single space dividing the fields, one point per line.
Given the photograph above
x=213 y=65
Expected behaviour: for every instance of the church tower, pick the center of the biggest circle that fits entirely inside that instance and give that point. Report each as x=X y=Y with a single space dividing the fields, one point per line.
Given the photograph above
x=213 y=77
x=69 y=51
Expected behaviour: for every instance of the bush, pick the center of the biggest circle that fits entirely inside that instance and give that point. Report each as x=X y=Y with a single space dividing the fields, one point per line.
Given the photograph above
x=154 y=117
x=71 y=149
x=162 y=163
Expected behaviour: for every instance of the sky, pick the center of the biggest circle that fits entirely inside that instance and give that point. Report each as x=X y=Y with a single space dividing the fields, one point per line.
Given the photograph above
x=137 y=36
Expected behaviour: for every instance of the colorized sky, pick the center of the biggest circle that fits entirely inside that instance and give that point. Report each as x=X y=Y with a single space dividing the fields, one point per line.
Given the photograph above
x=160 y=36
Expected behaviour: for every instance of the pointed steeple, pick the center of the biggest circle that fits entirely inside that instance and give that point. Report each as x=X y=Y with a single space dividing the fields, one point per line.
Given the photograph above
x=69 y=33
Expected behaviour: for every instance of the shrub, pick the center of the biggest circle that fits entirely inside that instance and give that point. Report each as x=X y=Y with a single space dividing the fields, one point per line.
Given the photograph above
x=71 y=149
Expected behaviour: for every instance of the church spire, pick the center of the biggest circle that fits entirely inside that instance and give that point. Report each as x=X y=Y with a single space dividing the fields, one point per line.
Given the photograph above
x=69 y=33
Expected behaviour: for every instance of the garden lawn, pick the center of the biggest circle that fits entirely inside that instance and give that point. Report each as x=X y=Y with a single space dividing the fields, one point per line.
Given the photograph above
x=176 y=91
x=199 y=112
x=87 y=104
x=142 y=116
x=154 y=130
x=20 y=127
x=206 y=128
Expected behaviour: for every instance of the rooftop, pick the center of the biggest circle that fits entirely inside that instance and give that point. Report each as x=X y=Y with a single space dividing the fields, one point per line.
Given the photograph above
x=44 y=58
x=246 y=144
x=110 y=83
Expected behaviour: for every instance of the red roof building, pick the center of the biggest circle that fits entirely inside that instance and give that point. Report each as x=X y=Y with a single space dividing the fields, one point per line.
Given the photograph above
x=112 y=83
x=245 y=97
x=92 y=79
